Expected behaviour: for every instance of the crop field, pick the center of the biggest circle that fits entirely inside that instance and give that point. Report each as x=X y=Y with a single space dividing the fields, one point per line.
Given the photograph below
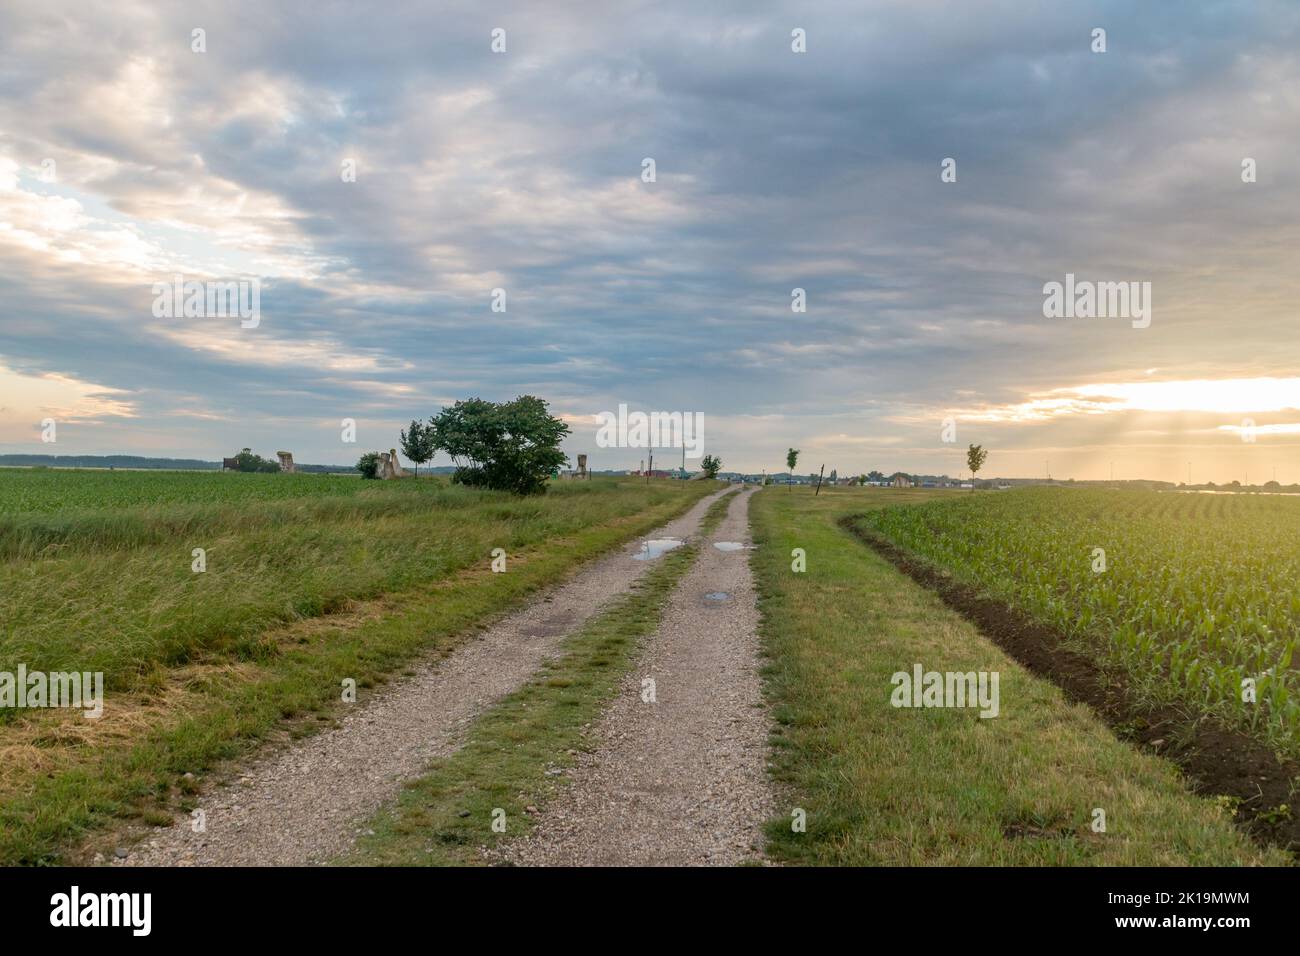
x=301 y=577
x=1193 y=597
x=56 y=490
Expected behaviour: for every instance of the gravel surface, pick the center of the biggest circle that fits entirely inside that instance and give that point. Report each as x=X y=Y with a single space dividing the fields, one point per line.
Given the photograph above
x=681 y=781
x=302 y=804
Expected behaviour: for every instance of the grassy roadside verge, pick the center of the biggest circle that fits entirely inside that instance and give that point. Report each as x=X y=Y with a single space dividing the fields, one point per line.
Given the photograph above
x=130 y=768
x=445 y=817
x=894 y=786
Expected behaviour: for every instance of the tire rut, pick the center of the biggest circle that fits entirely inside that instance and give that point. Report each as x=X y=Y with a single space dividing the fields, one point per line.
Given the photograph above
x=681 y=780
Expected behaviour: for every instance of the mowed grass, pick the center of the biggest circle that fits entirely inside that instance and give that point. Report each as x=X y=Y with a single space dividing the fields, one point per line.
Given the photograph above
x=298 y=595
x=445 y=818
x=888 y=786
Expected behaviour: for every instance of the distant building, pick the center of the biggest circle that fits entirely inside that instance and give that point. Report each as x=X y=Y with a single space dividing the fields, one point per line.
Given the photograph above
x=901 y=480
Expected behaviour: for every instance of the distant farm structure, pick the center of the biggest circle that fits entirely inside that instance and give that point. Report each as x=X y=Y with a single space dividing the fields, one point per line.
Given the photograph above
x=246 y=461
x=389 y=467
x=578 y=473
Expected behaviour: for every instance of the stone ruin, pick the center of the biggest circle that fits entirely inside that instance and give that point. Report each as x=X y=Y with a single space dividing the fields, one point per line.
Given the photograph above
x=576 y=473
x=389 y=467
x=286 y=461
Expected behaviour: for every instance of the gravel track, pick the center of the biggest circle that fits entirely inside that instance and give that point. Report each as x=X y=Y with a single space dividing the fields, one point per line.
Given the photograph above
x=683 y=780
x=302 y=804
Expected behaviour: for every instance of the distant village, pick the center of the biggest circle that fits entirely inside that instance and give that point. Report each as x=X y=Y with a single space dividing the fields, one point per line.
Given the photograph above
x=873 y=479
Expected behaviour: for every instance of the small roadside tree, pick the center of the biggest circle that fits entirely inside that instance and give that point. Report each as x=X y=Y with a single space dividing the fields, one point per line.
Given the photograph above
x=506 y=446
x=975 y=456
x=791 y=459
x=417 y=443
x=711 y=465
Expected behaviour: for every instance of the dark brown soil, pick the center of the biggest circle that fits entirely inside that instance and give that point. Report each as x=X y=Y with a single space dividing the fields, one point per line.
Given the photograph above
x=1217 y=760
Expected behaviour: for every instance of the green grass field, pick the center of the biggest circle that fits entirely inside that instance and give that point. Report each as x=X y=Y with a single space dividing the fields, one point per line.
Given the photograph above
x=883 y=785
x=305 y=580
x=312 y=577
x=30 y=491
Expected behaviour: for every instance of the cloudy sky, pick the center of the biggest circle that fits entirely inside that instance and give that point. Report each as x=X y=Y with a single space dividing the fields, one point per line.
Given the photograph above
x=126 y=158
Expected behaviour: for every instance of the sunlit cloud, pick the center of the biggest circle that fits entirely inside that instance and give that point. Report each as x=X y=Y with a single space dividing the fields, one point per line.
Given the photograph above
x=1285 y=428
x=1225 y=396
x=27 y=399
x=244 y=349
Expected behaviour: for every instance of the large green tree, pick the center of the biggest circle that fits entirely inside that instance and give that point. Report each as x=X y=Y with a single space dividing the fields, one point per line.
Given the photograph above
x=710 y=465
x=507 y=446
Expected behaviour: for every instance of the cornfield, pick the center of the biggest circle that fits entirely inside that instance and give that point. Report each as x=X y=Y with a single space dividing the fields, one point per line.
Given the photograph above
x=1191 y=596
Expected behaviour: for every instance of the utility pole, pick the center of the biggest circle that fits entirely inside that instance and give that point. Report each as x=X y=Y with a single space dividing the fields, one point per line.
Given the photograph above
x=652 y=466
x=819 y=481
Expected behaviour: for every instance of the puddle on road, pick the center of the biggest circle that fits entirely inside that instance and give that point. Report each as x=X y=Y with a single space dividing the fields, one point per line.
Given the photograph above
x=729 y=546
x=717 y=596
x=656 y=547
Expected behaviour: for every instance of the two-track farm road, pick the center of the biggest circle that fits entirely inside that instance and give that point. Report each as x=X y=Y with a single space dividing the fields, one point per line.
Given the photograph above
x=302 y=804
x=682 y=780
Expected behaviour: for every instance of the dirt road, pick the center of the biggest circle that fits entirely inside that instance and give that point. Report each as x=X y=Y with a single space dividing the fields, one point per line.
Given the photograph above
x=680 y=780
x=303 y=804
